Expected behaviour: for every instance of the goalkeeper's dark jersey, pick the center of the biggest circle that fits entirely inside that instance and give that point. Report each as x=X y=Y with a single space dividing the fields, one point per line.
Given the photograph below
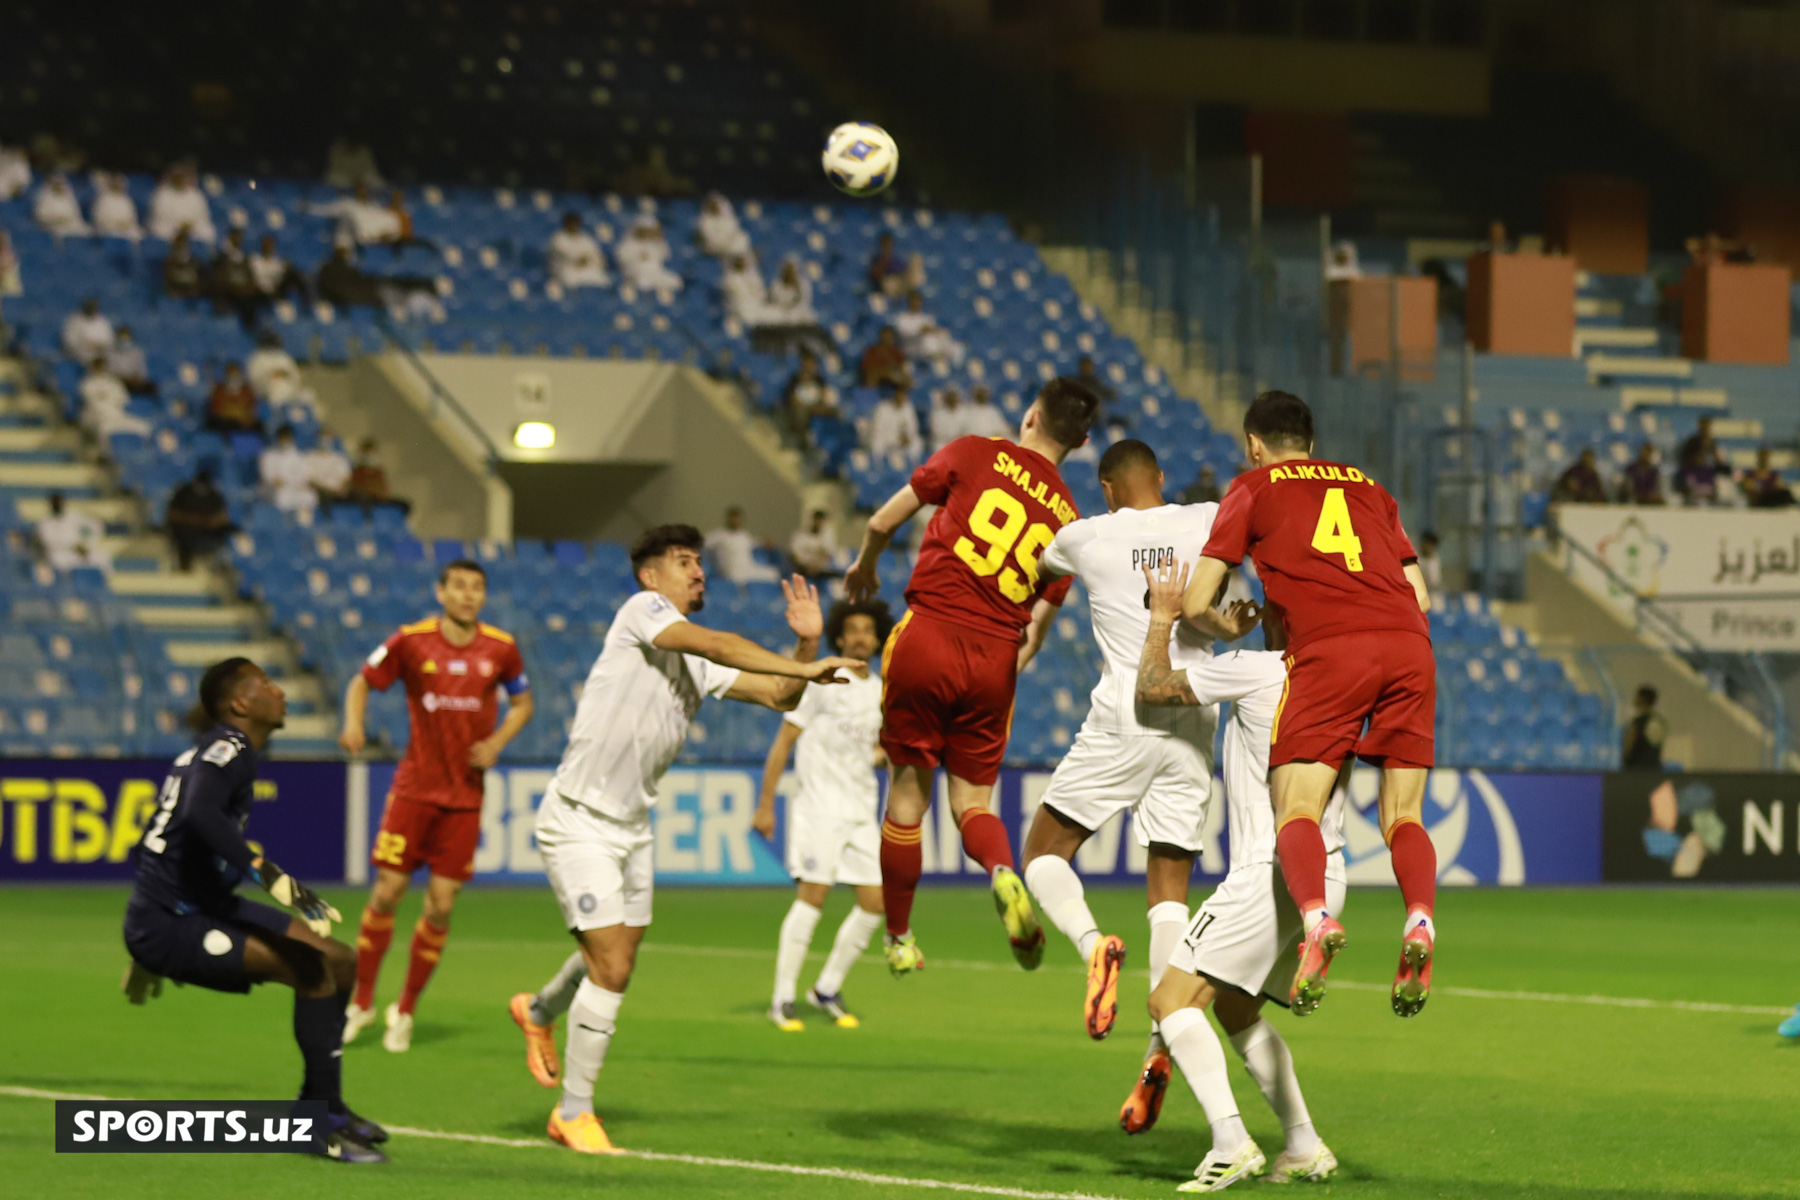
x=193 y=851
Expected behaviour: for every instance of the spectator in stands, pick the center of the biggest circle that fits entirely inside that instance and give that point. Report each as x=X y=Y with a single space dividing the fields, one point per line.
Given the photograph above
x=57 y=209
x=343 y=283
x=198 y=519
x=884 y=362
x=984 y=418
x=12 y=281
x=230 y=283
x=894 y=427
x=1581 y=483
x=789 y=299
x=361 y=218
x=643 y=258
x=1204 y=489
x=807 y=395
x=1763 y=486
x=181 y=270
x=328 y=468
x=404 y=234
x=1497 y=241
x=286 y=474
x=87 y=334
x=1431 y=563
x=125 y=359
x=912 y=323
x=733 y=551
x=886 y=264
x=1343 y=263
x=368 y=485
x=115 y=212
x=274 y=375
x=1644 y=734
x=949 y=419
x=15 y=172
x=1701 y=464
x=70 y=539
x=178 y=204
x=814 y=549
x=231 y=408
x=719 y=233
x=275 y=276
x=741 y=289
x=105 y=404
x=349 y=163
x=1641 y=482
x=1095 y=382
x=575 y=257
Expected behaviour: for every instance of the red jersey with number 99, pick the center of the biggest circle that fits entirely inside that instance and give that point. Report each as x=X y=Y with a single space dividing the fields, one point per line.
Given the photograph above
x=1000 y=504
x=1328 y=545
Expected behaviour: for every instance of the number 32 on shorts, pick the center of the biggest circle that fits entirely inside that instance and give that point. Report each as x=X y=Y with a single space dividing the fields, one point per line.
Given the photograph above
x=1334 y=534
x=998 y=519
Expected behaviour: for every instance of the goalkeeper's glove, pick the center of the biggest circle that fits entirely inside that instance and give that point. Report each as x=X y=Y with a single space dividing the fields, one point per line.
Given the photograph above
x=140 y=983
x=315 y=911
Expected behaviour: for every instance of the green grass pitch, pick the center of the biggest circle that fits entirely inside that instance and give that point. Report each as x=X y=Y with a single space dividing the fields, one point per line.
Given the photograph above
x=963 y=1074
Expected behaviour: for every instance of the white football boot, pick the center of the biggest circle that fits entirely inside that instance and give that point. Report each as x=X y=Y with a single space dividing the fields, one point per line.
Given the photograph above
x=1320 y=1164
x=356 y=1019
x=1217 y=1172
x=398 y=1038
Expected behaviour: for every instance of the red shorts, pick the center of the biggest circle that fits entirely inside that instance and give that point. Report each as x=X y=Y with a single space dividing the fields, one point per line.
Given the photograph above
x=1387 y=678
x=415 y=833
x=947 y=697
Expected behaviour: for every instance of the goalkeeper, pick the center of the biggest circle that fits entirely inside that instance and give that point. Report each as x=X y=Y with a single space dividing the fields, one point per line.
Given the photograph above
x=185 y=921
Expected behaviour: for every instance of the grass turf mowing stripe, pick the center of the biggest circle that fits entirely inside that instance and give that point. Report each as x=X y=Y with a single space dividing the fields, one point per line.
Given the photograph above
x=693 y=1160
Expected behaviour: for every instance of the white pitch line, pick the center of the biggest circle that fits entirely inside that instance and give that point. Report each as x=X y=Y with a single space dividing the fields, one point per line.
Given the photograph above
x=692 y=1160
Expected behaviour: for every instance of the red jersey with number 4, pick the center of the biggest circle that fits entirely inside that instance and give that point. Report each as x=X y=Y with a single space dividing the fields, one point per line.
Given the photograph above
x=452 y=696
x=1000 y=504
x=1328 y=546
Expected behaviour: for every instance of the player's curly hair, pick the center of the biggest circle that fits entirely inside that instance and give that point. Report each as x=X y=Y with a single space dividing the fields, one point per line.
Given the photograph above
x=658 y=540
x=216 y=687
x=875 y=609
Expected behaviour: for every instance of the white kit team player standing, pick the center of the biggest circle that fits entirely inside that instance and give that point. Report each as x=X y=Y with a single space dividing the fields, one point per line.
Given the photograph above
x=593 y=826
x=833 y=832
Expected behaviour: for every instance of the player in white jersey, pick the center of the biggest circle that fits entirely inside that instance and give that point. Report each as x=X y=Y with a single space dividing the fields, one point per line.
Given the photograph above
x=1154 y=761
x=593 y=826
x=1239 y=950
x=833 y=835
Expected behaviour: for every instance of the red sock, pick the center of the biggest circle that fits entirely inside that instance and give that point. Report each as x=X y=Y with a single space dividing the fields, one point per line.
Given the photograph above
x=427 y=947
x=1301 y=848
x=902 y=861
x=372 y=939
x=984 y=839
x=1415 y=865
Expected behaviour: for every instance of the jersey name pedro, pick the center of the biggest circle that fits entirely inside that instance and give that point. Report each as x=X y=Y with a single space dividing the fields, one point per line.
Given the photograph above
x=1000 y=505
x=1328 y=547
x=452 y=698
x=834 y=761
x=1108 y=553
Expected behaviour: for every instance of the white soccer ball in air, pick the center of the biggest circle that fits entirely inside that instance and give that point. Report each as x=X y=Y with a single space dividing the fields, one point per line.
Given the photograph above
x=860 y=159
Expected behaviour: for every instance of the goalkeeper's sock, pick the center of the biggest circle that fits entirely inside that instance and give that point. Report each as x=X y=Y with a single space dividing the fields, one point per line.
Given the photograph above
x=427 y=947
x=372 y=939
x=319 y=1029
x=592 y=1019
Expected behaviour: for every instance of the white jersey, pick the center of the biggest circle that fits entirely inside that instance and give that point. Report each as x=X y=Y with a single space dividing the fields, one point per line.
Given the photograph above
x=834 y=763
x=634 y=712
x=1108 y=553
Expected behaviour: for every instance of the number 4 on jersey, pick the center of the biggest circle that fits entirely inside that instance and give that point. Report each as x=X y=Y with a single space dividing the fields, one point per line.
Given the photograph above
x=1334 y=533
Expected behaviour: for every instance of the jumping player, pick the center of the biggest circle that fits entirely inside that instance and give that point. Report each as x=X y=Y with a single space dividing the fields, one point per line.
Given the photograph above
x=453 y=667
x=186 y=922
x=1345 y=591
x=1236 y=953
x=949 y=670
x=593 y=826
x=832 y=832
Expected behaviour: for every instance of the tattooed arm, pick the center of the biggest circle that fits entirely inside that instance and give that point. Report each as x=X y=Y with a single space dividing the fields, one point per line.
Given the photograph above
x=1158 y=682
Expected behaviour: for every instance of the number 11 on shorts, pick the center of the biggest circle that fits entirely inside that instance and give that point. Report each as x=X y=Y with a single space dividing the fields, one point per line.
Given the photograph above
x=1334 y=533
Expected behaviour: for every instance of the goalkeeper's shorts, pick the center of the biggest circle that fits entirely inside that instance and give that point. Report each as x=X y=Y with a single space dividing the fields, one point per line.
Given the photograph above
x=204 y=949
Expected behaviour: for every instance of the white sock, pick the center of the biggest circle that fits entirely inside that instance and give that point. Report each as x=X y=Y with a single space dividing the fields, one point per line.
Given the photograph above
x=1060 y=895
x=1196 y=1050
x=1271 y=1064
x=1168 y=921
x=1311 y=917
x=592 y=1019
x=790 y=951
x=851 y=940
x=554 y=998
x=1416 y=917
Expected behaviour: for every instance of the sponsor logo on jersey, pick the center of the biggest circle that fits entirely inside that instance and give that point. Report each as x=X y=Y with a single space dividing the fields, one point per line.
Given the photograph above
x=485 y=667
x=430 y=668
x=457 y=667
x=438 y=702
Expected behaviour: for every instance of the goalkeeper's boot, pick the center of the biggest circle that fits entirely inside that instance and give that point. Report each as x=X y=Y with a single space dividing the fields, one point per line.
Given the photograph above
x=1013 y=903
x=833 y=1007
x=341 y=1145
x=363 y=1129
x=1412 y=982
x=1145 y=1103
x=1316 y=952
x=1313 y=1167
x=583 y=1134
x=356 y=1019
x=540 y=1042
x=1104 y=965
x=903 y=954
x=782 y=1015
x=1790 y=1028
x=398 y=1038
x=1217 y=1171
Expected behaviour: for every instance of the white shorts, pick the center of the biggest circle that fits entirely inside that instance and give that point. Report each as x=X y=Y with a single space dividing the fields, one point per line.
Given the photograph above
x=1246 y=932
x=1166 y=781
x=601 y=869
x=823 y=847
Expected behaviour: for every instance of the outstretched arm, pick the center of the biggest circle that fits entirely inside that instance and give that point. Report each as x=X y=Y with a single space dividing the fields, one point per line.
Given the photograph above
x=860 y=581
x=782 y=693
x=1203 y=590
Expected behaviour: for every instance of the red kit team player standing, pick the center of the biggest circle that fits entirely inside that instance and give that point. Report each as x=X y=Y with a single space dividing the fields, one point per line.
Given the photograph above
x=1344 y=588
x=951 y=664
x=453 y=667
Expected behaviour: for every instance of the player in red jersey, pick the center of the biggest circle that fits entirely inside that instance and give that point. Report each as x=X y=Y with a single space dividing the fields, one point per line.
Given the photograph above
x=454 y=667
x=951 y=664
x=1345 y=593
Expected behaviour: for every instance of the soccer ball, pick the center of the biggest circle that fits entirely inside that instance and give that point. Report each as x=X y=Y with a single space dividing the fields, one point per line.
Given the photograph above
x=860 y=159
